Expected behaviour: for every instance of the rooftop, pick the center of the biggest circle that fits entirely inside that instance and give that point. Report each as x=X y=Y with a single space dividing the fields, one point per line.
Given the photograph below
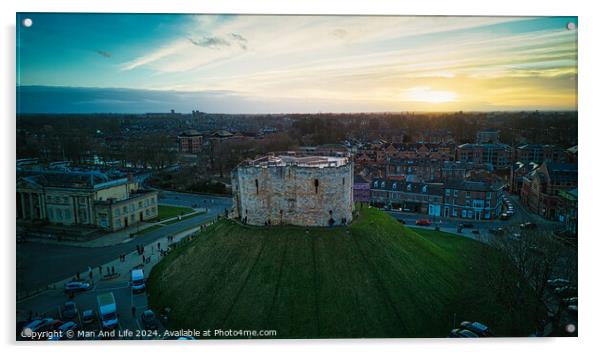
x=190 y=132
x=71 y=179
x=301 y=161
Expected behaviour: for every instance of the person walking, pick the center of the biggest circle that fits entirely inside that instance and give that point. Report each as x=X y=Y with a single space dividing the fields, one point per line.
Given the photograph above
x=113 y=269
x=134 y=311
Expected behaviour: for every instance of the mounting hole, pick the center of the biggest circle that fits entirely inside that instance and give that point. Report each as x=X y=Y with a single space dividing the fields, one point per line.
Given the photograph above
x=27 y=22
x=570 y=328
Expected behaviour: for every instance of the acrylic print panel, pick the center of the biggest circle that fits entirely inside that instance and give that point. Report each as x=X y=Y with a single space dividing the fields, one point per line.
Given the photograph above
x=235 y=176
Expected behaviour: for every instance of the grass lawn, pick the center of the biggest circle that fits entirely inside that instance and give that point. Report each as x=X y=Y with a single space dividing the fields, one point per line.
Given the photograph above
x=168 y=211
x=375 y=278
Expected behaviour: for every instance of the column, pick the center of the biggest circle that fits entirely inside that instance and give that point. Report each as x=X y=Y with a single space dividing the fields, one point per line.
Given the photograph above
x=31 y=209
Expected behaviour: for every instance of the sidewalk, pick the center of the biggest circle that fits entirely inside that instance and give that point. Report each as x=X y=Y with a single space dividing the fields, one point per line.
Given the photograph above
x=118 y=237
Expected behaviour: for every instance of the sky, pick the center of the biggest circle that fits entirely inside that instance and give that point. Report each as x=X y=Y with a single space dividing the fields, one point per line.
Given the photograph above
x=130 y=63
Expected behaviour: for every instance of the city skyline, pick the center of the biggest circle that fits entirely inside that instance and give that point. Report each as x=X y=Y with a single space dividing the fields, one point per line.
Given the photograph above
x=132 y=63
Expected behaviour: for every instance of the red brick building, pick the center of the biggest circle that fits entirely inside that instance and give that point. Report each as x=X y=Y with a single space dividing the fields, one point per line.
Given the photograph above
x=540 y=190
x=539 y=153
x=190 y=142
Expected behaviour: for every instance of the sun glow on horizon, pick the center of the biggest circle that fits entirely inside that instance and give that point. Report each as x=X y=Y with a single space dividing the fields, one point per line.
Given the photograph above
x=428 y=95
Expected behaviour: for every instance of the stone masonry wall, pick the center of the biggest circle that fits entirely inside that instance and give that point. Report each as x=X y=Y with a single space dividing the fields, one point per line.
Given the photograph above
x=288 y=194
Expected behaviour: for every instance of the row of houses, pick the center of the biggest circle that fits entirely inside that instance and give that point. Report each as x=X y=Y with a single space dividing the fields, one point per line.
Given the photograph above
x=451 y=199
x=489 y=152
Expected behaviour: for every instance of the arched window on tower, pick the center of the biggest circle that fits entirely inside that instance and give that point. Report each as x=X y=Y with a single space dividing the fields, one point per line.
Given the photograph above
x=316 y=184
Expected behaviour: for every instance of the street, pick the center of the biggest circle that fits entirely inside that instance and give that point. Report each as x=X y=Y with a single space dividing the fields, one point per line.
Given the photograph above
x=39 y=264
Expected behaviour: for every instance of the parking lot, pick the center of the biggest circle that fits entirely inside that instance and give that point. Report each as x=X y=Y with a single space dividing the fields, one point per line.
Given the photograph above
x=51 y=304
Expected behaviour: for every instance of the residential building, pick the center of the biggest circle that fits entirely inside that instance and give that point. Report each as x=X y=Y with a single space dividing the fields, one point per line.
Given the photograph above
x=413 y=170
x=472 y=200
x=541 y=188
x=567 y=210
x=539 y=153
x=498 y=155
x=490 y=136
x=190 y=142
x=423 y=198
x=518 y=171
x=453 y=199
x=361 y=189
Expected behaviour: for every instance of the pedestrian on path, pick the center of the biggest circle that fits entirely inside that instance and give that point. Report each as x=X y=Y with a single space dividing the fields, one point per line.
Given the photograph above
x=90 y=274
x=134 y=311
x=113 y=269
x=100 y=270
x=77 y=276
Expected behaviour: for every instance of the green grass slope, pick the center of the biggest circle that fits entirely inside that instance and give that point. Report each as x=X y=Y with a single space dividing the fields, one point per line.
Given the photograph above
x=374 y=278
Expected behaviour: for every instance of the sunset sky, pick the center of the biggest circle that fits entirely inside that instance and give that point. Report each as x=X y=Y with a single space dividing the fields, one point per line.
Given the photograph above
x=271 y=64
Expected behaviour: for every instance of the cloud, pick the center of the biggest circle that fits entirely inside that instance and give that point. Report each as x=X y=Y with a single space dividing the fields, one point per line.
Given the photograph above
x=104 y=53
x=339 y=33
x=210 y=42
x=242 y=41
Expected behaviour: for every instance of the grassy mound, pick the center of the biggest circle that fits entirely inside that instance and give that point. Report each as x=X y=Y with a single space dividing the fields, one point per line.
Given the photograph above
x=374 y=278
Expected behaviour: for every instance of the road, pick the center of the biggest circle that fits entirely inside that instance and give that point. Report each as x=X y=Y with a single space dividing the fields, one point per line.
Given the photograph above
x=40 y=264
x=522 y=215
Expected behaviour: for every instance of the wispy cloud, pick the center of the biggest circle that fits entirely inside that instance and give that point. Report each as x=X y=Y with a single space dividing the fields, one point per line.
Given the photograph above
x=104 y=53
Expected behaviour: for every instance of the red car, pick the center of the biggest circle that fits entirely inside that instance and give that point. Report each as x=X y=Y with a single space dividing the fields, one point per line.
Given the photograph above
x=423 y=222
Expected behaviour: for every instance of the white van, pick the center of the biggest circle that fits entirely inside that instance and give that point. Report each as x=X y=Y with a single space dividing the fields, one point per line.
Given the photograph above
x=138 y=280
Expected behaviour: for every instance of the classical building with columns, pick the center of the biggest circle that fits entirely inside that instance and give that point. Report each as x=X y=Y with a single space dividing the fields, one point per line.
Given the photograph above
x=82 y=198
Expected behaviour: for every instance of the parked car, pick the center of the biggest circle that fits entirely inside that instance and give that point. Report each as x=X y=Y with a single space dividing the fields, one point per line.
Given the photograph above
x=528 y=226
x=76 y=286
x=467 y=225
x=70 y=310
x=558 y=282
x=504 y=216
x=462 y=333
x=476 y=232
x=401 y=221
x=42 y=324
x=510 y=212
x=496 y=231
x=569 y=301
x=515 y=236
x=88 y=316
x=149 y=320
x=476 y=327
x=67 y=326
x=407 y=210
x=566 y=291
x=423 y=222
